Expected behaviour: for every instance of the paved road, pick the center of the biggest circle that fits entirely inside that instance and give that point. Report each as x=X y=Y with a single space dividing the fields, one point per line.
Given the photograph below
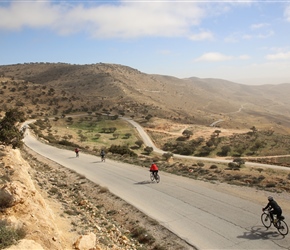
x=194 y=210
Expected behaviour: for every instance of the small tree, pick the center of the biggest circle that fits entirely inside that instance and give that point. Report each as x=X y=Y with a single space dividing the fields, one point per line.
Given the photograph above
x=128 y=135
x=224 y=150
x=9 y=133
x=187 y=133
x=148 y=150
x=217 y=133
x=139 y=143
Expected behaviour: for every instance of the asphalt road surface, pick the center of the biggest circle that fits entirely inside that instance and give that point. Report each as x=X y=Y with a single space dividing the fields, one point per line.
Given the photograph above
x=193 y=210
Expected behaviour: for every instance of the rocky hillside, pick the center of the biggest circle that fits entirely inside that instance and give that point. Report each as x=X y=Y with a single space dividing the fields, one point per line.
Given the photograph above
x=52 y=89
x=45 y=206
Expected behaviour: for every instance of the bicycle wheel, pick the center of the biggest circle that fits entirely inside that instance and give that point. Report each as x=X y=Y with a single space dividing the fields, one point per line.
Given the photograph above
x=282 y=227
x=152 y=176
x=266 y=220
x=157 y=178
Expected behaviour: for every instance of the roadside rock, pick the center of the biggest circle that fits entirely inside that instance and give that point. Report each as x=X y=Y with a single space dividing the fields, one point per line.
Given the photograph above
x=26 y=244
x=86 y=242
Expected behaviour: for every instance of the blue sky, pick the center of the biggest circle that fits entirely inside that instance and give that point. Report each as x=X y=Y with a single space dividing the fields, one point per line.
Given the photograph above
x=246 y=42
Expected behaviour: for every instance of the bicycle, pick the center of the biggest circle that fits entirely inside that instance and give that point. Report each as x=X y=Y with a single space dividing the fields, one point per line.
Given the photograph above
x=103 y=158
x=154 y=177
x=280 y=224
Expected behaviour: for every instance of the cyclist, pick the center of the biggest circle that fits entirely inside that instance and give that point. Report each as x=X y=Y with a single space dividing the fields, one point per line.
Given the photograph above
x=77 y=152
x=154 y=169
x=274 y=208
x=103 y=154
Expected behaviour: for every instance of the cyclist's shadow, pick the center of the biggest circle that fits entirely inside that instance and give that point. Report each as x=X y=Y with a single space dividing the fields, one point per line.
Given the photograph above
x=260 y=233
x=144 y=182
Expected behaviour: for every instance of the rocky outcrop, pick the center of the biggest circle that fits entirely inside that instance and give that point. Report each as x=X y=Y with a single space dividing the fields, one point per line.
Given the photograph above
x=24 y=207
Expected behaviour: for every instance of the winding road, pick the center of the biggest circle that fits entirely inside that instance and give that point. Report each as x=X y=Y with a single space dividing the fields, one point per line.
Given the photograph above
x=194 y=210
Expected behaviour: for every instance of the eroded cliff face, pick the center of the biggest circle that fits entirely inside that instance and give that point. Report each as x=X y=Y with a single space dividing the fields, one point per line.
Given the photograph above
x=24 y=207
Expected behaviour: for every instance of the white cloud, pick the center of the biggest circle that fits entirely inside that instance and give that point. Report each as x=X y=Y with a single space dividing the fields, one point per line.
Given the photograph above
x=237 y=37
x=266 y=35
x=259 y=25
x=279 y=56
x=205 y=35
x=114 y=19
x=213 y=57
x=244 y=57
x=287 y=13
x=219 y=57
x=31 y=14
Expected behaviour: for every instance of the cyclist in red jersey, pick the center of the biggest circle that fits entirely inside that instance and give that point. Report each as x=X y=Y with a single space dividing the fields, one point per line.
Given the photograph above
x=154 y=169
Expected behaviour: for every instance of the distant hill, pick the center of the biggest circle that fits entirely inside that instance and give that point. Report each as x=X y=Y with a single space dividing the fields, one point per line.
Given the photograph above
x=54 y=88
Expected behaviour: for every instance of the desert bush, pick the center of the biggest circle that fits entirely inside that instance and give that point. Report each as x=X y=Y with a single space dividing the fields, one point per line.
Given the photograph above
x=142 y=236
x=148 y=150
x=49 y=138
x=73 y=211
x=127 y=135
x=239 y=161
x=181 y=138
x=224 y=151
x=53 y=190
x=167 y=156
x=200 y=164
x=9 y=235
x=233 y=165
x=68 y=143
x=204 y=151
x=270 y=185
x=122 y=150
x=261 y=177
x=139 y=143
x=103 y=190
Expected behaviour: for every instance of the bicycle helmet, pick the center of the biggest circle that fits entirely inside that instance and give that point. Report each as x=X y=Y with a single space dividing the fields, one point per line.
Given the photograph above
x=270 y=198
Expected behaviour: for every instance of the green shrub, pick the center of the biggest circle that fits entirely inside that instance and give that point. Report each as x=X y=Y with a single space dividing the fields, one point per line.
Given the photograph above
x=9 y=133
x=68 y=143
x=122 y=150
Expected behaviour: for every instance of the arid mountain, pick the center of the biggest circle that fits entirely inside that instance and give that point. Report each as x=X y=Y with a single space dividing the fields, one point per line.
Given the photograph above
x=53 y=89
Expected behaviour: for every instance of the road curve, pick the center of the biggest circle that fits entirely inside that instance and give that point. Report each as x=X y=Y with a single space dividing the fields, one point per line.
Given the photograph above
x=148 y=142
x=193 y=210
